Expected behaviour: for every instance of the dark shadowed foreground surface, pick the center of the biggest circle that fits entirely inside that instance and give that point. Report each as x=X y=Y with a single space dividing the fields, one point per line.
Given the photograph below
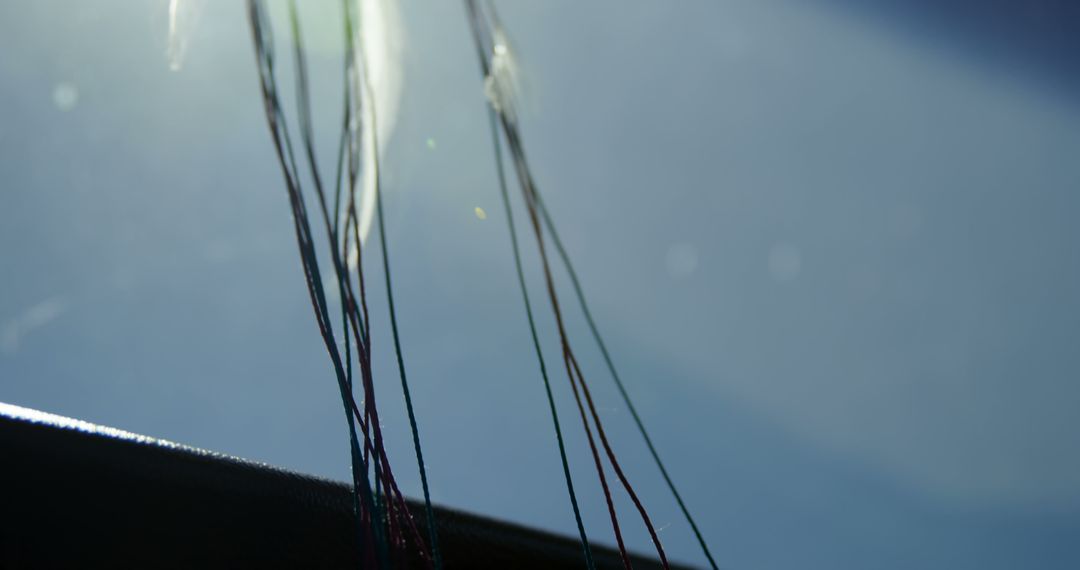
x=75 y=494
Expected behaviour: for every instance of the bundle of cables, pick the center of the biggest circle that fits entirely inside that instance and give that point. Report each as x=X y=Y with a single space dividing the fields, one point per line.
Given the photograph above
x=385 y=530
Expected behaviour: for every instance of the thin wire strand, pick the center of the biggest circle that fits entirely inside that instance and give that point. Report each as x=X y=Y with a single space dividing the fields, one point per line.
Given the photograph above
x=264 y=51
x=375 y=540
x=535 y=203
x=429 y=511
x=609 y=362
x=432 y=531
x=479 y=39
x=589 y=562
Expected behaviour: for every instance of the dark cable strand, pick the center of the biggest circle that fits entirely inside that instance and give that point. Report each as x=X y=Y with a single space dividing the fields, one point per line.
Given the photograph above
x=479 y=40
x=590 y=563
x=429 y=511
x=529 y=190
x=609 y=362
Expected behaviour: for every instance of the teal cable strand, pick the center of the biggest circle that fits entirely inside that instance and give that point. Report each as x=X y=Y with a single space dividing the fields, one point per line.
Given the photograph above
x=579 y=292
x=264 y=51
x=474 y=20
x=535 y=337
x=432 y=532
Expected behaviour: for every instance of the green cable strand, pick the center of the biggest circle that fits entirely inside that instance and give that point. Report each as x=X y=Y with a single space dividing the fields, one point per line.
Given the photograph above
x=580 y=294
x=429 y=511
x=501 y=169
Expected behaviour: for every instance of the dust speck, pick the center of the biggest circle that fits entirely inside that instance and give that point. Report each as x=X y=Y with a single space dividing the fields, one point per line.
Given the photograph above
x=65 y=96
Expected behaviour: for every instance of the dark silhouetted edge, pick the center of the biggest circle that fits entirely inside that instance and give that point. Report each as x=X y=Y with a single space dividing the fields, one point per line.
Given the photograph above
x=78 y=494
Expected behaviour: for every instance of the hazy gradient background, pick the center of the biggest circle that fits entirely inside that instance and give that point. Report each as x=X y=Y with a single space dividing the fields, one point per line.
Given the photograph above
x=832 y=245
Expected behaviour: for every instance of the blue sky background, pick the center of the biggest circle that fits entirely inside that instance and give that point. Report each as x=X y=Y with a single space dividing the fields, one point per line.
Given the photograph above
x=833 y=250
